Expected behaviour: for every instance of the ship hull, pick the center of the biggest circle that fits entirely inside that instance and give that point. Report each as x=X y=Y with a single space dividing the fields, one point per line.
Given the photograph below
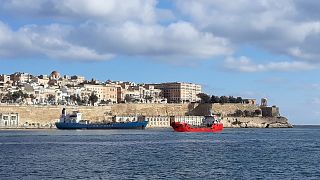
x=123 y=125
x=184 y=127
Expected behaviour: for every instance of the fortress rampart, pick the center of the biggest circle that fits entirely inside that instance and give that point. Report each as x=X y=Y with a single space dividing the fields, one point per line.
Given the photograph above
x=45 y=116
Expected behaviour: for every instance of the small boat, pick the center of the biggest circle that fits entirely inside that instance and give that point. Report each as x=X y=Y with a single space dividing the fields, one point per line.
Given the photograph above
x=210 y=123
x=74 y=121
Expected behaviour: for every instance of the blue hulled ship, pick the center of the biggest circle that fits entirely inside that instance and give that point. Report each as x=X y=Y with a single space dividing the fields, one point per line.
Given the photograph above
x=74 y=121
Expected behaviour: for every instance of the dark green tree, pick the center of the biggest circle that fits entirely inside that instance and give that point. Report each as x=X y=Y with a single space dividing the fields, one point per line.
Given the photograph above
x=103 y=101
x=215 y=99
x=129 y=98
x=224 y=99
x=149 y=98
x=17 y=95
x=8 y=97
x=73 y=98
x=32 y=96
x=79 y=100
x=232 y=99
x=93 y=98
x=257 y=112
x=51 y=98
x=239 y=100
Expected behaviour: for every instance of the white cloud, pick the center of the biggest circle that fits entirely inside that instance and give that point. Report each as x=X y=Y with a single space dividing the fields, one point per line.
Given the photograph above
x=192 y=29
x=43 y=41
x=101 y=29
x=244 y=64
x=97 y=41
x=107 y=11
x=289 y=27
x=176 y=39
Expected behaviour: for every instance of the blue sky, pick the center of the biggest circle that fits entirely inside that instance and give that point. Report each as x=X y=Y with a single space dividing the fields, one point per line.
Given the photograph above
x=265 y=48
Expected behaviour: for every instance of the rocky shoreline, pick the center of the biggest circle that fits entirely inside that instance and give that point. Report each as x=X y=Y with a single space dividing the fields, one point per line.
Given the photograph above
x=256 y=122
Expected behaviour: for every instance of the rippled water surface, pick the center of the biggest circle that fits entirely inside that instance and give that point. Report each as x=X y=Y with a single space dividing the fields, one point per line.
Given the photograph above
x=161 y=154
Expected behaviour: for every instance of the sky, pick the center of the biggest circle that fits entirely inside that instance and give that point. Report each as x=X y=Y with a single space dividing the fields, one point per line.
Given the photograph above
x=254 y=49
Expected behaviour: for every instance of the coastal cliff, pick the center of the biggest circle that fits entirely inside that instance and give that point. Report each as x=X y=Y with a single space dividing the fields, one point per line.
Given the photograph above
x=46 y=116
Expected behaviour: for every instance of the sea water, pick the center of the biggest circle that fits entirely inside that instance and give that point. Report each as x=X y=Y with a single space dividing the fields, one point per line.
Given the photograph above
x=160 y=154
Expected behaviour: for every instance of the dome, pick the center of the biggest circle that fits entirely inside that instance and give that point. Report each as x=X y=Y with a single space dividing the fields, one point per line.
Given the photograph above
x=55 y=74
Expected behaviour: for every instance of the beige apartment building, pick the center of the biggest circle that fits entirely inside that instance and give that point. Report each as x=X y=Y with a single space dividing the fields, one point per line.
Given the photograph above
x=42 y=80
x=177 y=92
x=104 y=92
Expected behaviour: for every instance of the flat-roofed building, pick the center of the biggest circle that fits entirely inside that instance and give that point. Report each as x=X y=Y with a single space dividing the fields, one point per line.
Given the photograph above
x=104 y=92
x=179 y=92
x=138 y=93
x=21 y=77
x=41 y=80
x=110 y=93
x=78 y=79
x=9 y=119
x=158 y=121
x=164 y=121
x=151 y=94
x=192 y=120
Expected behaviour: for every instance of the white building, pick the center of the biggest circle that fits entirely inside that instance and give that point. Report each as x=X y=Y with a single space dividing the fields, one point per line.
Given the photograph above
x=9 y=119
x=177 y=92
x=164 y=121
x=127 y=118
x=158 y=121
x=192 y=120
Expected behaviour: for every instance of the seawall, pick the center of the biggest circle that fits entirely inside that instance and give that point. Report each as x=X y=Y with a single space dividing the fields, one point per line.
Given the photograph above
x=45 y=116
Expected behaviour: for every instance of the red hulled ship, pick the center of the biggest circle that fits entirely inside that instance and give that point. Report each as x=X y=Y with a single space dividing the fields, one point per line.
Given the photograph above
x=209 y=124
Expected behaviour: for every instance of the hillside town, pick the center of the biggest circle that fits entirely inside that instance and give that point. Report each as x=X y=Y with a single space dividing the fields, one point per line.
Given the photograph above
x=23 y=98
x=55 y=89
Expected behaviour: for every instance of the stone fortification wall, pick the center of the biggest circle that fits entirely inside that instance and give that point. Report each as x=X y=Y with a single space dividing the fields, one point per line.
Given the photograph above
x=47 y=115
x=223 y=109
x=150 y=109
